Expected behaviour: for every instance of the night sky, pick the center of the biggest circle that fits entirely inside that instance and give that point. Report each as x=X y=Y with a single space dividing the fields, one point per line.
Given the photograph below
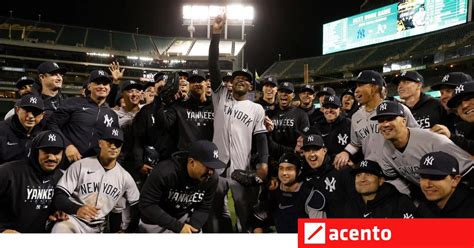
x=292 y=28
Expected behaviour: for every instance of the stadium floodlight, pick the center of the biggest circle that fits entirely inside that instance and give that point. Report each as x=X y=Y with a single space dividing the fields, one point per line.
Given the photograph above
x=203 y=15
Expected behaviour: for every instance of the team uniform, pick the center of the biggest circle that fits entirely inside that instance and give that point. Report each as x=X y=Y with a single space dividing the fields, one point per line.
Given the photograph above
x=463 y=136
x=365 y=134
x=235 y=125
x=86 y=182
x=26 y=193
x=459 y=205
x=428 y=111
x=334 y=184
x=289 y=124
x=336 y=135
x=405 y=163
x=170 y=197
x=285 y=208
x=82 y=122
x=14 y=139
x=388 y=203
x=193 y=119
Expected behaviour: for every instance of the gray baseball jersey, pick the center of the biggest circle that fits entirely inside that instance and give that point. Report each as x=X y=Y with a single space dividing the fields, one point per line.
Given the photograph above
x=235 y=122
x=365 y=133
x=421 y=142
x=87 y=182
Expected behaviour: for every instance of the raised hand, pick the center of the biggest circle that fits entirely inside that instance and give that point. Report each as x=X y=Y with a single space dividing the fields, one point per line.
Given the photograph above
x=116 y=72
x=219 y=24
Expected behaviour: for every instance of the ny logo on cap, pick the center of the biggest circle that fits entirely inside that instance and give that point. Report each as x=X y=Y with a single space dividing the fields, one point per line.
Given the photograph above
x=52 y=137
x=56 y=65
x=270 y=79
x=115 y=132
x=445 y=78
x=360 y=74
x=102 y=73
x=428 y=161
x=23 y=78
x=331 y=98
x=132 y=82
x=285 y=84
x=404 y=73
x=325 y=89
x=383 y=107
x=459 y=89
x=363 y=164
x=165 y=77
x=310 y=139
x=195 y=72
x=108 y=121
x=33 y=100
x=216 y=154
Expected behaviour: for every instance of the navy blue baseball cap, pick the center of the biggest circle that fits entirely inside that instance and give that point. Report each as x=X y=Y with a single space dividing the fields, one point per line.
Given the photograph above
x=270 y=80
x=112 y=133
x=159 y=76
x=326 y=91
x=183 y=74
x=307 y=88
x=50 y=67
x=347 y=92
x=24 y=81
x=452 y=80
x=369 y=166
x=438 y=164
x=331 y=101
x=243 y=72
x=49 y=139
x=196 y=76
x=207 y=153
x=286 y=86
x=370 y=77
x=130 y=84
x=291 y=158
x=389 y=108
x=99 y=76
x=413 y=76
x=32 y=101
x=226 y=76
x=312 y=140
x=460 y=92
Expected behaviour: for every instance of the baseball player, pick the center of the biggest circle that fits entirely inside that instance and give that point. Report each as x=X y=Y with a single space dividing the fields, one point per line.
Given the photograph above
x=17 y=132
x=178 y=196
x=440 y=182
x=27 y=186
x=349 y=105
x=462 y=102
x=364 y=131
x=288 y=123
x=335 y=185
x=91 y=188
x=50 y=83
x=404 y=146
x=447 y=89
x=83 y=119
x=237 y=122
x=375 y=198
x=24 y=87
x=293 y=199
x=426 y=110
x=193 y=118
x=269 y=90
x=335 y=128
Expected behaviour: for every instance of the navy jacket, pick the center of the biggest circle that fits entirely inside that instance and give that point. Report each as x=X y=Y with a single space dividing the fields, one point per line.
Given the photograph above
x=82 y=123
x=14 y=139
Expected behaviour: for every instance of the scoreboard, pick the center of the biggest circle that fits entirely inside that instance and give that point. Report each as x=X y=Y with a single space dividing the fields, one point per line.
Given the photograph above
x=399 y=20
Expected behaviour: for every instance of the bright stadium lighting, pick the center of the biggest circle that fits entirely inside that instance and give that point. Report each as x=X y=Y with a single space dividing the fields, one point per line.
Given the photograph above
x=145 y=59
x=103 y=55
x=132 y=57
